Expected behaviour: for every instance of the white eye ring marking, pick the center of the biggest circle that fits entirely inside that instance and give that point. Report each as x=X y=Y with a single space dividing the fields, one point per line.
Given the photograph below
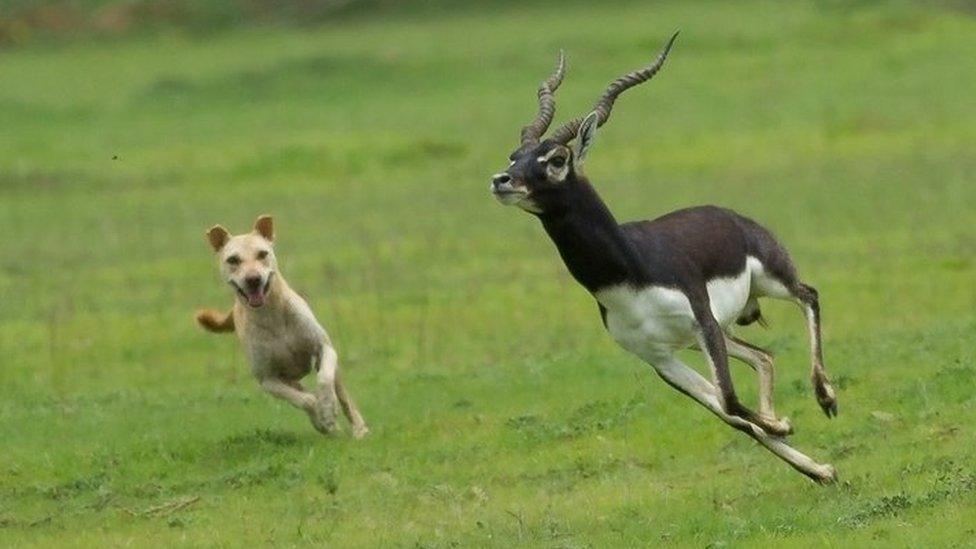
x=548 y=155
x=511 y=163
x=557 y=174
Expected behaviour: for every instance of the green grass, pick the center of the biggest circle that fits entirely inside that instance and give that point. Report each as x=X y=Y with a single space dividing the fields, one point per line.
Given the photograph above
x=502 y=413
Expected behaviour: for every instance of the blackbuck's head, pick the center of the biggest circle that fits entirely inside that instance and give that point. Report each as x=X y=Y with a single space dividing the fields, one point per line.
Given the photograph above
x=542 y=170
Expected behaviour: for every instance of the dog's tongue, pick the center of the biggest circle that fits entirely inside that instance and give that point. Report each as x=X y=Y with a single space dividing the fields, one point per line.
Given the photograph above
x=255 y=298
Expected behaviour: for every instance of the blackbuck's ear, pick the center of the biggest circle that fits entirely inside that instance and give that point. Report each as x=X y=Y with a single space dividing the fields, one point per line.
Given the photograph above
x=218 y=237
x=264 y=226
x=587 y=132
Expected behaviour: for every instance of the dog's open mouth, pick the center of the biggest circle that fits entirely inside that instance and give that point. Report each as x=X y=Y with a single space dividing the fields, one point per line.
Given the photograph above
x=257 y=296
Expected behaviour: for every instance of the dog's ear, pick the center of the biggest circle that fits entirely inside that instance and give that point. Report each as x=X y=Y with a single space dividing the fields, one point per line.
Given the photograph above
x=264 y=226
x=218 y=237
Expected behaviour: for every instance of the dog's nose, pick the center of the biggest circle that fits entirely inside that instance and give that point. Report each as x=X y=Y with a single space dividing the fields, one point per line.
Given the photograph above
x=253 y=282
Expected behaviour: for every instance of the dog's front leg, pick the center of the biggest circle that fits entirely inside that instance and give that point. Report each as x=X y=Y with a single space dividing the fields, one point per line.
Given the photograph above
x=292 y=393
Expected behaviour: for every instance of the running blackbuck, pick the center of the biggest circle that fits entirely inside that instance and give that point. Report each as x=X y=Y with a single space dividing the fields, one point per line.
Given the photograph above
x=676 y=282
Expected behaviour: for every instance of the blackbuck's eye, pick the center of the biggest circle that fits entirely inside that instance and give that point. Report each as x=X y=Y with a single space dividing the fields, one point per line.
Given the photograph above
x=234 y=260
x=557 y=161
x=262 y=255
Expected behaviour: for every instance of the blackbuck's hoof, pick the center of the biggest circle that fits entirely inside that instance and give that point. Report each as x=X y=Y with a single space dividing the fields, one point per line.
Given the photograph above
x=778 y=427
x=825 y=476
x=827 y=399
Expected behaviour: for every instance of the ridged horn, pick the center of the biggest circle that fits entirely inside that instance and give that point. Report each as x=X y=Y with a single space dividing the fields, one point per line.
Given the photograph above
x=547 y=103
x=568 y=131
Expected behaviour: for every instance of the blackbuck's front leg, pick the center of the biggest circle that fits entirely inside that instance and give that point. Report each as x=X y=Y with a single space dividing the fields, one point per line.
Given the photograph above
x=688 y=381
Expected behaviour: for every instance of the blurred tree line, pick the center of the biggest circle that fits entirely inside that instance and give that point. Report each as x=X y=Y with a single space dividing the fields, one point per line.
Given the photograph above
x=23 y=21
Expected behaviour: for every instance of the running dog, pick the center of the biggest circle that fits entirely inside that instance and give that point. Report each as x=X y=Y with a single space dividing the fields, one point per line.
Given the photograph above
x=280 y=334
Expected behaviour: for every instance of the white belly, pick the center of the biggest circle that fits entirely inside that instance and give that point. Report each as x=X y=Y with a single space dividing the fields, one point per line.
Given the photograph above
x=655 y=319
x=728 y=296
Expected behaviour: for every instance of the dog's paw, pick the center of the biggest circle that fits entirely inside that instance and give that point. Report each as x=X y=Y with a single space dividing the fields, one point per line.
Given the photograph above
x=324 y=418
x=326 y=426
x=359 y=431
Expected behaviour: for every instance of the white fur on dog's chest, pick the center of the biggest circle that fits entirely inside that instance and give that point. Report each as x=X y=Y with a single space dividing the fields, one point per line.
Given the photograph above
x=287 y=347
x=659 y=319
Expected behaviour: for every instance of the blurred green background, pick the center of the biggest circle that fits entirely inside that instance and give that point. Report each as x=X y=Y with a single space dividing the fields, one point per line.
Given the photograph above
x=502 y=413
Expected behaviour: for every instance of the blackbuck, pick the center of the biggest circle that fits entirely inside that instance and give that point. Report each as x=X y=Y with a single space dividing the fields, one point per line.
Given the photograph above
x=676 y=282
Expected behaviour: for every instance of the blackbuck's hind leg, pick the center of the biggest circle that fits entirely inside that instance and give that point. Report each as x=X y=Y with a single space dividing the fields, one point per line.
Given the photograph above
x=807 y=298
x=678 y=375
x=762 y=362
x=777 y=278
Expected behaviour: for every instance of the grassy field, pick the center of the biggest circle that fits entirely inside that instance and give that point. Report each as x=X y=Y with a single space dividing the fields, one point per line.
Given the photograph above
x=502 y=413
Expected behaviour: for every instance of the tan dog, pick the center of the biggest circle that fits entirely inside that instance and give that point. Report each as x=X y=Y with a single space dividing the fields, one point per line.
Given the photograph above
x=283 y=340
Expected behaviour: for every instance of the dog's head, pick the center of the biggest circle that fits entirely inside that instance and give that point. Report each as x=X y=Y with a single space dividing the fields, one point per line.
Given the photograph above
x=247 y=261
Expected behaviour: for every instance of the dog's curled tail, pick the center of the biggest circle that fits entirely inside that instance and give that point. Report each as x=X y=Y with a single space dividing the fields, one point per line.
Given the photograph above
x=215 y=321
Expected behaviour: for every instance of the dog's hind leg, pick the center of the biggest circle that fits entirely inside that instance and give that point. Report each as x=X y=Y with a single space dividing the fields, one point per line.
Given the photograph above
x=326 y=365
x=330 y=388
x=359 y=428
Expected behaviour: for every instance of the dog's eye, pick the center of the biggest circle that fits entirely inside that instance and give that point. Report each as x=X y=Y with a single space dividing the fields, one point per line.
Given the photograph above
x=557 y=161
x=233 y=260
x=262 y=255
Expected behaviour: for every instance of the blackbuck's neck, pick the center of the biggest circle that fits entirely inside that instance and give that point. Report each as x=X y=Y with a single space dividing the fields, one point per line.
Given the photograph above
x=590 y=241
